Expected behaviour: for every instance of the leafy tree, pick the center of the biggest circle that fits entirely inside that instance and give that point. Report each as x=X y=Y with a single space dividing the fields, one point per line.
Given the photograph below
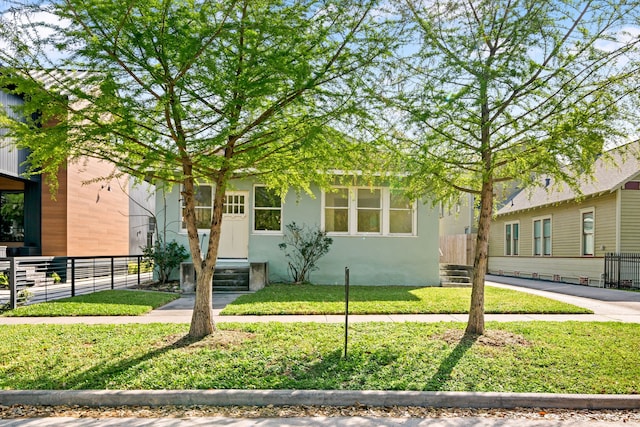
x=193 y=91
x=490 y=91
x=304 y=246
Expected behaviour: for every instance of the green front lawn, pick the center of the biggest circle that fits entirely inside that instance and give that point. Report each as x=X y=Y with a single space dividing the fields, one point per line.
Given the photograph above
x=318 y=299
x=555 y=357
x=104 y=303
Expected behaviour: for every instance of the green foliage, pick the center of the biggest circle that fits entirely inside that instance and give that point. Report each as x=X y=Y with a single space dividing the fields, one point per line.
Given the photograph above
x=533 y=357
x=146 y=266
x=103 y=303
x=329 y=299
x=166 y=257
x=11 y=216
x=4 y=280
x=516 y=92
x=56 y=277
x=304 y=246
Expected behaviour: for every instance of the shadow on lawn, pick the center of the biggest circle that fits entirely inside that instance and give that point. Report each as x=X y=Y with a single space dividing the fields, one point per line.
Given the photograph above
x=328 y=293
x=443 y=374
x=99 y=376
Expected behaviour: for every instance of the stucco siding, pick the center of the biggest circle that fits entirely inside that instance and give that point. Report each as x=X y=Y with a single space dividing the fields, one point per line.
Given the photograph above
x=630 y=221
x=372 y=260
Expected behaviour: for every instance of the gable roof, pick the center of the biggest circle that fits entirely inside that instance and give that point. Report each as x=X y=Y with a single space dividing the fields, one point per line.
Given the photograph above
x=610 y=173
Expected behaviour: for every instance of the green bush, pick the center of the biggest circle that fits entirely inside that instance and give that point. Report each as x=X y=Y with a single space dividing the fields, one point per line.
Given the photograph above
x=166 y=257
x=4 y=280
x=146 y=266
x=304 y=246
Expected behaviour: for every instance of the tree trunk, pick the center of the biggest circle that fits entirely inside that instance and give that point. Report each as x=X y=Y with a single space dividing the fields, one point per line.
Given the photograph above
x=475 y=325
x=202 y=320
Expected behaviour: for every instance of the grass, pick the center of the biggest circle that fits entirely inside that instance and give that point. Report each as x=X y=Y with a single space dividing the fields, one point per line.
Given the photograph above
x=104 y=303
x=314 y=299
x=554 y=357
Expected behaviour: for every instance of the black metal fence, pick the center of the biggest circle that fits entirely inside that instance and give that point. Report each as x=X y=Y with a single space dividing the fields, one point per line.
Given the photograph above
x=622 y=270
x=26 y=280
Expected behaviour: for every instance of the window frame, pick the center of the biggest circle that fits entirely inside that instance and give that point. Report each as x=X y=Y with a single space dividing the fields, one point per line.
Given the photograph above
x=543 y=238
x=349 y=207
x=263 y=208
x=512 y=243
x=230 y=193
x=583 y=212
x=385 y=213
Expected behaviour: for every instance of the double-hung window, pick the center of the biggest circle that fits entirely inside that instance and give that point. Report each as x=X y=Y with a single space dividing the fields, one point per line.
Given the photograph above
x=365 y=210
x=587 y=224
x=542 y=237
x=512 y=238
x=336 y=211
x=369 y=210
x=400 y=214
x=267 y=210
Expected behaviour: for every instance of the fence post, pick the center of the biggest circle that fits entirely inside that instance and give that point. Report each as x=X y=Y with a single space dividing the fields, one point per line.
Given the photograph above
x=73 y=277
x=112 y=274
x=13 y=284
x=346 y=310
x=619 y=269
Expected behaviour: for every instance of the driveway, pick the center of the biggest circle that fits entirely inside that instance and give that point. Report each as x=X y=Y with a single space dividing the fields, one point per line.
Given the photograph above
x=603 y=302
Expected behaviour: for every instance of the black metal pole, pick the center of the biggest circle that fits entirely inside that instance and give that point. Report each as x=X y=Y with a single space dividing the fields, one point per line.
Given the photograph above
x=13 y=283
x=346 y=310
x=73 y=277
x=113 y=273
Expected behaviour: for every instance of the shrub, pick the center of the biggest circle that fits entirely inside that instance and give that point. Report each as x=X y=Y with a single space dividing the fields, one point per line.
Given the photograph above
x=56 y=277
x=146 y=266
x=304 y=246
x=166 y=257
x=4 y=280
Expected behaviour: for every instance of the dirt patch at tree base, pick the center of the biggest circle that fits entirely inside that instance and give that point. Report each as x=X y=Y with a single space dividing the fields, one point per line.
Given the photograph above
x=491 y=338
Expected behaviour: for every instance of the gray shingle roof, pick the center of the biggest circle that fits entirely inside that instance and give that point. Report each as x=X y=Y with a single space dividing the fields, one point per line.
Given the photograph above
x=610 y=173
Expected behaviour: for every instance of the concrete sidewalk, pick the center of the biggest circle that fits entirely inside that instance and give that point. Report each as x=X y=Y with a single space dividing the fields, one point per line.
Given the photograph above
x=608 y=305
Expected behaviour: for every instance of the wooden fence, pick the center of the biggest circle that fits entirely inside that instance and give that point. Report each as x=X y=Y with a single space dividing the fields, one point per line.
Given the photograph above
x=458 y=249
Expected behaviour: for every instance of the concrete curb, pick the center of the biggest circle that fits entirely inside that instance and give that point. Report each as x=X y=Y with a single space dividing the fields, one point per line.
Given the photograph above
x=113 y=398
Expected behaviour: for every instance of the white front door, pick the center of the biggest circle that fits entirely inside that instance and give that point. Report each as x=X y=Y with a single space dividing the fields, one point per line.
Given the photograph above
x=234 y=238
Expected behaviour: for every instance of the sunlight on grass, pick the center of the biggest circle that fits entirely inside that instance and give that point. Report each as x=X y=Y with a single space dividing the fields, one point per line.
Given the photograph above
x=319 y=299
x=549 y=357
x=104 y=303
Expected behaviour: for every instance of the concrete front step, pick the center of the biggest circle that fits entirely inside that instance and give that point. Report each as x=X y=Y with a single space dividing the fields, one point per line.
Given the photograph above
x=446 y=284
x=456 y=279
x=231 y=277
x=462 y=273
x=453 y=275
